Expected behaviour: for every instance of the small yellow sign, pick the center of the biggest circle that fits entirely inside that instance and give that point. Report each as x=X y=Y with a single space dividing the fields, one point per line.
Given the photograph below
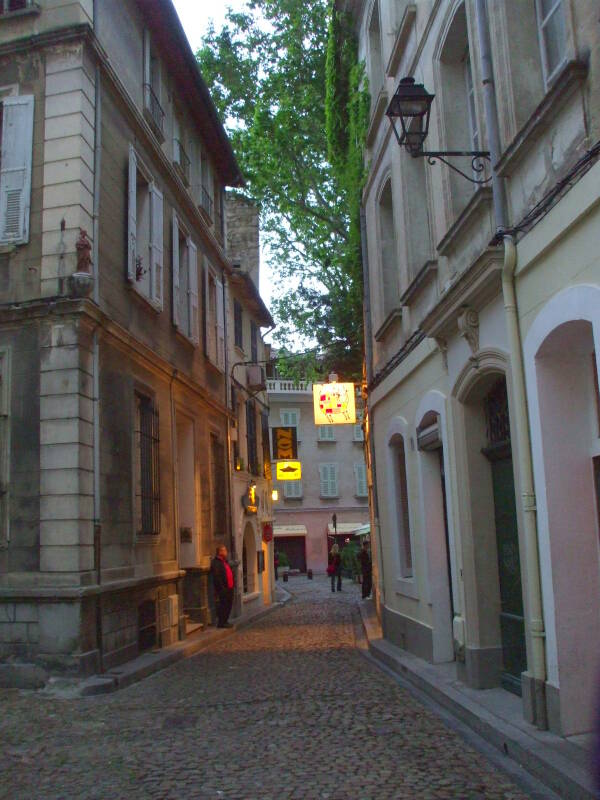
x=334 y=403
x=289 y=471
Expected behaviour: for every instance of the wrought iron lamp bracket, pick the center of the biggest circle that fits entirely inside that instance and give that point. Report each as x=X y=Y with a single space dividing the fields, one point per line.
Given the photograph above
x=477 y=158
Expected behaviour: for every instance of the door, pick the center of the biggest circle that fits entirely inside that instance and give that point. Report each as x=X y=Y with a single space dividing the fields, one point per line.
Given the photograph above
x=295 y=549
x=512 y=623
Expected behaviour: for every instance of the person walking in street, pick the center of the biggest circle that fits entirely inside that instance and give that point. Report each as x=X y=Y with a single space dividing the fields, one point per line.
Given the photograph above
x=276 y=564
x=334 y=568
x=366 y=569
x=223 y=582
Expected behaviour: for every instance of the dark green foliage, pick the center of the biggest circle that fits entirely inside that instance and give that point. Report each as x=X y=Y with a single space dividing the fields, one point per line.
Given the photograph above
x=266 y=70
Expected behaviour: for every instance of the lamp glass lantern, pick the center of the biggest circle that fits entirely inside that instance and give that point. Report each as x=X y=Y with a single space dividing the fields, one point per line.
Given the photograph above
x=411 y=104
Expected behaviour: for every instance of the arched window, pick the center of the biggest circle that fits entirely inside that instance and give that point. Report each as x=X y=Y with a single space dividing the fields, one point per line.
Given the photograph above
x=401 y=505
x=387 y=249
x=375 y=62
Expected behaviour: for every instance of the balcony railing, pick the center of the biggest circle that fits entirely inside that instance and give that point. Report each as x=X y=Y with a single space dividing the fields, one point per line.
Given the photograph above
x=181 y=160
x=288 y=386
x=207 y=203
x=154 y=108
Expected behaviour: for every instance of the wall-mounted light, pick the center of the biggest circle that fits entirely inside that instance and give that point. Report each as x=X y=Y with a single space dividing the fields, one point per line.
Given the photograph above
x=274 y=495
x=411 y=104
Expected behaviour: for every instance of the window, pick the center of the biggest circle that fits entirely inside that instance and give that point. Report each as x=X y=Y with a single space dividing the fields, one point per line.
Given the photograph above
x=358 y=434
x=16 y=126
x=252 y=447
x=388 y=250
x=180 y=156
x=292 y=490
x=402 y=508
x=219 y=490
x=326 y=433
x=360 y=476
x=328 y=476
x=145 y=233
x=375 y=62
x=266 y=444
x=9 y=6
x=5 y=394
x=468 y=76
x=290 y=418
x=206 y=201
x=238 y=330
x=153 y=110
x=553 y=36
x=185 y=283
x=147 y=466
x=214 y=333
x=253 y=342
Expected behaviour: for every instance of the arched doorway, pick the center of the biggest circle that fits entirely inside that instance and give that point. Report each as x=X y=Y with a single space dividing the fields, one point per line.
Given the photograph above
x=249 y=565
x=495 y=652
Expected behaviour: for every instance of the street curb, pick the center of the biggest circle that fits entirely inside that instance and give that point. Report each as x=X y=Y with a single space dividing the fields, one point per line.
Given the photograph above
x=150 y=663
x=567 y=778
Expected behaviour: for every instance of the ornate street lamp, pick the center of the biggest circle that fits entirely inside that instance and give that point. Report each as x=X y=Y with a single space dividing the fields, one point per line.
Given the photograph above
x=411 y=104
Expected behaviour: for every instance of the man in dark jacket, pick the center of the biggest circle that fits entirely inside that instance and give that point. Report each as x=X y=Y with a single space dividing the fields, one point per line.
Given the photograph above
x=366 y=568
x=223 y=582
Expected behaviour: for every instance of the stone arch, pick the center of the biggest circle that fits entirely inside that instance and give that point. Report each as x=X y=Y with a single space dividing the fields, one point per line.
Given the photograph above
x=561 y=352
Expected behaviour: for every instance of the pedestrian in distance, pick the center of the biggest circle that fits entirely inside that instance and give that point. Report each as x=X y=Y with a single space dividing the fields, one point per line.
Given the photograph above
x=276 y=564
x=223 y=582
x=366 y=569
x=334 y=568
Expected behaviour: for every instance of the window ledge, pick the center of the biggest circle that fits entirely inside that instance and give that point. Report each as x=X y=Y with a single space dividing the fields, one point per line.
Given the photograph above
x=394 y=316
x=147 y=301
x=32 y=10
x=379 y=107
x=326 y=441
x=329 y=496
x=407 y=587
x=185 y=338
x=425 y=275
x=567 y=80
x=481 y=198
x=247 y=598
x=404 y=29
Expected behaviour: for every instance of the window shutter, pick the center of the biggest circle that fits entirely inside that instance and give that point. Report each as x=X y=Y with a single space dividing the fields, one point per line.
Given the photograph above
x=132 y=216
x=193 y=284
x=323 y=477
x=205 y=304
x=176 y=298
x=220 y=326
x=15 y=172
x=156 y=244
x=360 y=472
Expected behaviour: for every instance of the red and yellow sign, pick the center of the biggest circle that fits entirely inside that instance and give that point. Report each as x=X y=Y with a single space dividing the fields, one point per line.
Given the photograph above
x=334 y=403
x=288 y=471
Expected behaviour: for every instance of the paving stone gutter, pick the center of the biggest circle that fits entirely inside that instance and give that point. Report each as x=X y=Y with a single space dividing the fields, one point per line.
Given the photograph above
x=556 y=762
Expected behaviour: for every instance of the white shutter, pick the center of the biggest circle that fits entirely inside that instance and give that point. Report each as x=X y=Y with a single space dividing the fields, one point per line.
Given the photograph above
x=328 y=480
x=15 y=171
x=220 y=343
x=175 y=261
x=324 y=479
x=326 y=433
x=132 y=216
x=360 y=472
x=156 y=244
x=193 y=289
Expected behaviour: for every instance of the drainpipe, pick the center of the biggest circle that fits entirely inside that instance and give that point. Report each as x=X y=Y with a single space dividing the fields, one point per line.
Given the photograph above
x=533 y=585
x=369 y=365
x=520 y=417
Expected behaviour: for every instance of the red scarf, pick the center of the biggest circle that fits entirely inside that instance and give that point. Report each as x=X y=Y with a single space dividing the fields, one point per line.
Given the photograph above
x=228 y=573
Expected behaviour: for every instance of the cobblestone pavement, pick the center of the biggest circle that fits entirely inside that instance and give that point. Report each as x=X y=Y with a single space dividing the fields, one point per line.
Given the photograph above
x=286 y=708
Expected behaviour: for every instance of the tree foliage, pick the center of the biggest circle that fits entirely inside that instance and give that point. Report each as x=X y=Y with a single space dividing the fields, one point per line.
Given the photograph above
x=267 y=70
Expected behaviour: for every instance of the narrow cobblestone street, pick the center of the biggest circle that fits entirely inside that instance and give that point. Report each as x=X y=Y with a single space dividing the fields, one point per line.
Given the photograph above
x=286 y=708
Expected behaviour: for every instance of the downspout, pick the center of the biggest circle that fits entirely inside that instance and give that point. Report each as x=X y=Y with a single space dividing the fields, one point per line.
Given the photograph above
x=533 y=588
x=533 y=583
x=369 y=368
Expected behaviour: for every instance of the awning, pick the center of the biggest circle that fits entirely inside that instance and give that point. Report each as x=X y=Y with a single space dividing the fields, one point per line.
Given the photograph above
x=289 y=530
x=364 y=530
x=343 y=527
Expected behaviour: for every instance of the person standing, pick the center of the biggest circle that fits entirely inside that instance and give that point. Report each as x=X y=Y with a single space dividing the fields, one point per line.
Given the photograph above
x=366 y=569
x=223 y=582
x=334 y=567
x=276 y=564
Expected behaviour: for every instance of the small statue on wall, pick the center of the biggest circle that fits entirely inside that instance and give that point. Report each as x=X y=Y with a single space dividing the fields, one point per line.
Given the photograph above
x=84 y=252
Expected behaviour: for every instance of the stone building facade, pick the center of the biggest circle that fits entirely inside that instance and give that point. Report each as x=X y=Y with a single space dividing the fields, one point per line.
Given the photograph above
x=334 y=479
x=482 y=342
x=112 y=331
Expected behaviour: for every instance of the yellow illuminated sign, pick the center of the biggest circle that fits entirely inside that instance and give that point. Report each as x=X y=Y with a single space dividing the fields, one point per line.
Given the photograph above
x=334 y=403
x=289 y=471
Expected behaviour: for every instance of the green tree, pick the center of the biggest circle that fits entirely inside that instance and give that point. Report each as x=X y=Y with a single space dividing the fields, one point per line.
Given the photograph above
x=267 y=71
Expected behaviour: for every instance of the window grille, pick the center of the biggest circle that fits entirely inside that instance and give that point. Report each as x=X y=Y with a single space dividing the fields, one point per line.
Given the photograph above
x=148 y=482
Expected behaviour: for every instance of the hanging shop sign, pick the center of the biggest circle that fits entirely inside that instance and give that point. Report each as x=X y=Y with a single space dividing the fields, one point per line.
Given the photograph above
x=250 y=500
x=334 y=403
x=285 y=443
x=267 y=532
x=288 y=471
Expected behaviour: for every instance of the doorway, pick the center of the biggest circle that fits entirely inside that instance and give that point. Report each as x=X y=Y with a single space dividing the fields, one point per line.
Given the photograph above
x=189 y=555
x=295 y=549
x=499 y=453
